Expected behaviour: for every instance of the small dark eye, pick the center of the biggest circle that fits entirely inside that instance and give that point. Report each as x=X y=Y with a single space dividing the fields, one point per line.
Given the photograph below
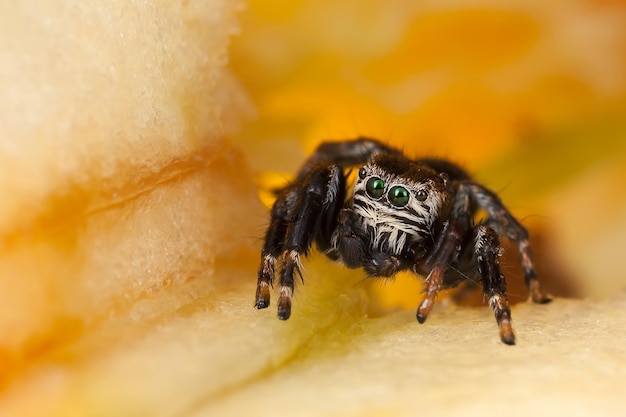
x=445 y=178
x=362 y=173
x=398 y=196
x=375 y=187
x=421 y=195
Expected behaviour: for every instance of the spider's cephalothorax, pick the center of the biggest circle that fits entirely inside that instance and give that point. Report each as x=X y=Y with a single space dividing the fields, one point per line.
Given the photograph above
x=402 y=213
x=397 y=209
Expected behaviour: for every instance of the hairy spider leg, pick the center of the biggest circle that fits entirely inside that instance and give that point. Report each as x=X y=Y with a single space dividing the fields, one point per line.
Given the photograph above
x=503 y=222
x=318 y=197
x=345 y=154
x=487 y=250
x=272 y=247
x=448 y=250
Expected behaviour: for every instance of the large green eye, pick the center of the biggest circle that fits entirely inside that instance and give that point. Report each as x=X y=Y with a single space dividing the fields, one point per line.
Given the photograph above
x=375 y=187
x=398 y=196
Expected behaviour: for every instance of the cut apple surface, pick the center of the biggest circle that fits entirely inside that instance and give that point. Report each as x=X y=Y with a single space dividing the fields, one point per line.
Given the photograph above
x=134 y=201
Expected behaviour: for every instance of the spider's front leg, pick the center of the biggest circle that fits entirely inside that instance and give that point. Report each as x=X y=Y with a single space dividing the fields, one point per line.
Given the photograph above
x=503 y=222
x=447 y=250
x=346 y=153
x=487 y=252
x=485 y=246
x=303 y=211
x=273 y=246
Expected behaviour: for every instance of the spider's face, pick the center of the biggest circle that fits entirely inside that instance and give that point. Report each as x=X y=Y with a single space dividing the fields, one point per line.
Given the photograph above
x=398 y=201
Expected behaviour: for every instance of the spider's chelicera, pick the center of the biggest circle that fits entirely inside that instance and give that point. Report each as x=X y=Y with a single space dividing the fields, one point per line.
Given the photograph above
x=402 y=213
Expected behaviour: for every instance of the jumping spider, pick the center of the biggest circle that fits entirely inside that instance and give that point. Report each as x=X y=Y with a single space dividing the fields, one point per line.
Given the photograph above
x=402 y=213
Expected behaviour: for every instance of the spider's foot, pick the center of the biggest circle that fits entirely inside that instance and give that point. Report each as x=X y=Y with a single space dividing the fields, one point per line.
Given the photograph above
x=502 y=311
x=284 y=303
x=434 y=280
x=424 y=309
x=536 y=294
x=506 y=332
x=262 y=295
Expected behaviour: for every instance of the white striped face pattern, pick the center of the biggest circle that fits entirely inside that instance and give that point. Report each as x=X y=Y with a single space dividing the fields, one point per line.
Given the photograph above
x=395 y=211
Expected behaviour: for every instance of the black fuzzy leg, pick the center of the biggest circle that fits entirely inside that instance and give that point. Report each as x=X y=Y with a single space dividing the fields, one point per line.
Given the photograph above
x=346 y=153
x=272 y=247
x=314 y=200
x=487 y=252
x=448 y=250
x=503 y=222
